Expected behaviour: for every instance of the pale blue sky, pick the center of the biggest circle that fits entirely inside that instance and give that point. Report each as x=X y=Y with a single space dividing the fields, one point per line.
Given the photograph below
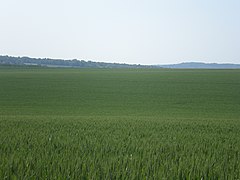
x=131 y=31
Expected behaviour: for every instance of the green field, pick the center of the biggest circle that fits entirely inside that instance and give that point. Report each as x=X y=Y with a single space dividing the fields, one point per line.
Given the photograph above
x=119 y=123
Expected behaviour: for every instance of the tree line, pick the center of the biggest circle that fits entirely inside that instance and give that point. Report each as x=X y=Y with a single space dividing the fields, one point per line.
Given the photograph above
x=27 y=61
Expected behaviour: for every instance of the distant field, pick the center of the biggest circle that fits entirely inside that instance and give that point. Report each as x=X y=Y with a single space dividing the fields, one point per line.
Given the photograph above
x=119 y=123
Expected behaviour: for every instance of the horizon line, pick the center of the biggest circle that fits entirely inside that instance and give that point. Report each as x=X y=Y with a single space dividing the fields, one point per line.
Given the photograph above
x=113 y=62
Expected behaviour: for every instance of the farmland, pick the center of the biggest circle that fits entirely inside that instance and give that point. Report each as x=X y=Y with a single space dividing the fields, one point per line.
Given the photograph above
x=119 y=123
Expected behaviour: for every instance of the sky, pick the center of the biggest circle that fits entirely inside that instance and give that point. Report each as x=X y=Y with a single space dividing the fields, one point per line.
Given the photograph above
x=126 y=31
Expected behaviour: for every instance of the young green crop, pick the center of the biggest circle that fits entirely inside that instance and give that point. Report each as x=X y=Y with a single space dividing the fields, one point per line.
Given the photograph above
x=119 y=124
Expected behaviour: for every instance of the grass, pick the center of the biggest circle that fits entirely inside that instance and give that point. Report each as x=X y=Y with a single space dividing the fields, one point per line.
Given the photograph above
x=119 y=124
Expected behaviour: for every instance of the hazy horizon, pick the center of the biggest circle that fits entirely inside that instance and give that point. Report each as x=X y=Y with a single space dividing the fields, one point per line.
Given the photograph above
x=134 y=32
x=182 y=62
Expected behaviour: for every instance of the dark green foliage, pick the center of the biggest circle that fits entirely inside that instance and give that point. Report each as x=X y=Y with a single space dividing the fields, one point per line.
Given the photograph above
x=119 y=124
x=47 y=62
